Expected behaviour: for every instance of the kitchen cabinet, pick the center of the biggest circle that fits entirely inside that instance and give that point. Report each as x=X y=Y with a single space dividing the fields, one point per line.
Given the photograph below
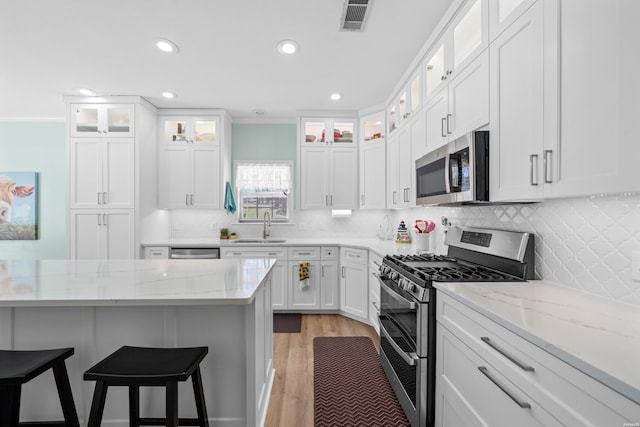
x=488 y=375
x=155 y=252
x=374 y=291
x=523 y=103
x=463 y=40
x=329 y=278
x=279 y=272
x=401 y=162
x=372 y=162
x=327 y=131
x=304 y=295
x=93 y=120
x=503 y=13
x=328 y=177
x=194 y=159
x=107 y=234
x=461 y=106
x=407 y=103
x=101 y=172
x=354 y=286
x=189 y=177
x=179 y=130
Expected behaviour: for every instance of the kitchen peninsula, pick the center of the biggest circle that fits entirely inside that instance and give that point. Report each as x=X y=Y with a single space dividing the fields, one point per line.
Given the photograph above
x=98 y=306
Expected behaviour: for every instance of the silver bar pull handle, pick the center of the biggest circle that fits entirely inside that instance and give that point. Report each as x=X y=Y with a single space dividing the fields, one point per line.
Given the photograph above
x=191 y=199
x=443 y=127
x=186 y=199
x=533 y=169
x=449 y=119
x=506 y=354
x=98 y=194
x=502 y=387
x=375 y=305
x=409 y=358
x=104 y=219
x=342 y=272
x=546 y=160
x=322 y=268
x=105 y=198
x=99 y=217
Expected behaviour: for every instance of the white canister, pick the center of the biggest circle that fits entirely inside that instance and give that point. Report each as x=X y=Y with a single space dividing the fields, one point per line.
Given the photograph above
x=421 y=241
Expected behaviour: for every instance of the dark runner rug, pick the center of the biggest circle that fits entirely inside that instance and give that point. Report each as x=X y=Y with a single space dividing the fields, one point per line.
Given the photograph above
x=350 y=387
x=287 y=322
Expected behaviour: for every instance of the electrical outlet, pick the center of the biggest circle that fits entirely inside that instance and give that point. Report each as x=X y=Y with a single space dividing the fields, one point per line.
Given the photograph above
x=635 y=265
x=214 y=226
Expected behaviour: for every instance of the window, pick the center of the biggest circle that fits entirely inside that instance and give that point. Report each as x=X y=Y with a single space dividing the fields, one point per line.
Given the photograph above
x=263 y=187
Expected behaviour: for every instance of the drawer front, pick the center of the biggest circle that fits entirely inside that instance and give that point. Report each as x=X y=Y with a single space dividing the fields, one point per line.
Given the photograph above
x=330 y=253
x=306 y=253
x=245 y=252
x=353 y=256
x=477 y=393
x=156 y=252
x=570 y=395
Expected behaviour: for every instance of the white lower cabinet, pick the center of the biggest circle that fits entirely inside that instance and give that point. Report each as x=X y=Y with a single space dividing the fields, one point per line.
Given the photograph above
x=354 y=286
x=329 y=283
x=102 y=234
x=487 y=375
x=374 y=291
x=304 y=295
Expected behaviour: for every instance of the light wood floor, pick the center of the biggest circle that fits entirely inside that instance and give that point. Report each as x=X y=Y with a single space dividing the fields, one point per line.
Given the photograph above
x=291 y=402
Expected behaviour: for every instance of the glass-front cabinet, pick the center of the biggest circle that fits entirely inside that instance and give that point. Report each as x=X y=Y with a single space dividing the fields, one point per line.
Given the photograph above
x=502 y=13
x=466 y=37
x=372 y=127
x=339 y=131
x=189 y=130
x=115 y=120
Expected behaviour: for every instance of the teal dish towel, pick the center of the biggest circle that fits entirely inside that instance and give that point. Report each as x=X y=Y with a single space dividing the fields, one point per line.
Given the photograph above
x=229 y=202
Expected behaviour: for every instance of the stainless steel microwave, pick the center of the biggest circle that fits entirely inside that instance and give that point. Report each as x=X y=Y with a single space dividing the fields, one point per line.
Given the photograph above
x=456 y=173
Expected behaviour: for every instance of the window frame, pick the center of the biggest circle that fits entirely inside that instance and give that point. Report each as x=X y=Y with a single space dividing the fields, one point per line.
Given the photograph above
x=289 y=196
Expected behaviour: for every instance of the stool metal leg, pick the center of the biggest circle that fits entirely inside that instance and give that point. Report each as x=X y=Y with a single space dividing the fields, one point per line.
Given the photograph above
x=97 y=404
x=134 y=406
x=198 y=391
x=65 y=394
x=172 y=404
x=10 y=404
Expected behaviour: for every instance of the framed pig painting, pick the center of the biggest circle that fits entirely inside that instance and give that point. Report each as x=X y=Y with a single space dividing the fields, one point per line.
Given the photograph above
x=18 y=205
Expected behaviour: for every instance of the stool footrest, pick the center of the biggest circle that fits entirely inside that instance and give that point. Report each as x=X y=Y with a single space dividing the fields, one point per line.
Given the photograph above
x=163 y=421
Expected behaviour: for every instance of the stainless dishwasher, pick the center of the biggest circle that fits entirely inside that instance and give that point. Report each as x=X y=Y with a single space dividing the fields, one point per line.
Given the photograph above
x=194 y=253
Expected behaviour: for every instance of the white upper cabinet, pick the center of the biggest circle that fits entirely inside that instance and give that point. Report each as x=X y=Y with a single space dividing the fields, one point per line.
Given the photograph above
x=503 y=13
x=190 y=130
x=408 y=102
x=372 y=162
x=463 y=40
x=324 y=131
x=90 y=120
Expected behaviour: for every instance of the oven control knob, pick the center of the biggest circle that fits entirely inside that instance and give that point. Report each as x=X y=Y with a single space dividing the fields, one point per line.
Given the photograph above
x=408 y=286
x=394 y=275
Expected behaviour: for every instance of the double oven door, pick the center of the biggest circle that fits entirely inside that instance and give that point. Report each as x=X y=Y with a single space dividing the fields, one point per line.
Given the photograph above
x=407 y=343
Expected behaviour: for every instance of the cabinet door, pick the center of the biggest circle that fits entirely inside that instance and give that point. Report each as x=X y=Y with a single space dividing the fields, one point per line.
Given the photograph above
x=117 y=120
x=118 y=235
x=503 y=13
x=469 y=98
x=436 y=117
x=435 y=70
x=469 y=34
x=598 y=149
x=206 y=177
x=373 y=180
x=304 y=297
x=85 y=174
x=344 y=178
x=343 y=132
x=354 y=289
x=119 y=177
x=85 y=120
x=85 y=234
x=516 y=109
x=314 y=170
x=279 y=286
x=329 y=285
x=405 y=168
x=90 y=120
x=174 y=178
x=393 y=154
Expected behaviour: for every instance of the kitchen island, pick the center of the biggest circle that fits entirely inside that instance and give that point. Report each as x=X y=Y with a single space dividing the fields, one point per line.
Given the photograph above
x=98 y=306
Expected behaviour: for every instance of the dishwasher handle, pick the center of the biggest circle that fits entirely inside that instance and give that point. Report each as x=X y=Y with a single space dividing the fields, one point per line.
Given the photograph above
x=194 y=253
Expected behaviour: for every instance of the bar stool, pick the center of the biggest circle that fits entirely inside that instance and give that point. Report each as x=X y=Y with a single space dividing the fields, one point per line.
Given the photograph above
x=20 y=367
x=142 y=366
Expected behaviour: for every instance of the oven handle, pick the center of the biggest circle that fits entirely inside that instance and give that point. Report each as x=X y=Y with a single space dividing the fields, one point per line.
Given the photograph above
x=412 y=304
x=409 y=358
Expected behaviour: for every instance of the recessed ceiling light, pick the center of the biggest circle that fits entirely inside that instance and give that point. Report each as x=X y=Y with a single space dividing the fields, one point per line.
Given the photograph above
x=167 y=46
x=168 y=95
x=287 y=47
x=86 y=92
x=335 y=96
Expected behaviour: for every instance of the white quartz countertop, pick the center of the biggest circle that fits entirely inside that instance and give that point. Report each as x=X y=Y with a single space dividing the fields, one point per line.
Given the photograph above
x=597 y=336
x=130 y=282
x=381 y=247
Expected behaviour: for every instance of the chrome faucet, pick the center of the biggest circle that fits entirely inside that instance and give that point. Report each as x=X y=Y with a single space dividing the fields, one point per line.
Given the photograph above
x=266 y=227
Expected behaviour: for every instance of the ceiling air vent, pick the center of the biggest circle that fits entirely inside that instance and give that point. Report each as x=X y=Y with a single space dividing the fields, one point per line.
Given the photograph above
x=354 y=15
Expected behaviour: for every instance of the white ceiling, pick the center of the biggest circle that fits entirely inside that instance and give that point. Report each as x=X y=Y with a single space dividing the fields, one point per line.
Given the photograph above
x=227 y=58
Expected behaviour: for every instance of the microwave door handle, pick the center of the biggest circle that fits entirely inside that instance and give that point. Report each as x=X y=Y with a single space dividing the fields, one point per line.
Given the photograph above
x=447 y=175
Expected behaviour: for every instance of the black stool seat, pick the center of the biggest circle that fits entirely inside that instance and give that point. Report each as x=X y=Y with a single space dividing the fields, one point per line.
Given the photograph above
x=19 y=367
x=143 y=366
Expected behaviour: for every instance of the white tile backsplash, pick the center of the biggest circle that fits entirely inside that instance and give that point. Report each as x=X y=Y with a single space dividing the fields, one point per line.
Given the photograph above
x=585 y=243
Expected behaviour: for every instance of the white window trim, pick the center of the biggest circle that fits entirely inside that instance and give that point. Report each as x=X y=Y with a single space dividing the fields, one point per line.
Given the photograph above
x=290 y=208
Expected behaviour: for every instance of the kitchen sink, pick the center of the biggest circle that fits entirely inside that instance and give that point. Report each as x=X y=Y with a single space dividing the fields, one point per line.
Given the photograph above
x=261 y=241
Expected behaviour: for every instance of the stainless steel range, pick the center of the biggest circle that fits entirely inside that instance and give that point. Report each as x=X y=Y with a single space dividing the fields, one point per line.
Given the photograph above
x=407 y=304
